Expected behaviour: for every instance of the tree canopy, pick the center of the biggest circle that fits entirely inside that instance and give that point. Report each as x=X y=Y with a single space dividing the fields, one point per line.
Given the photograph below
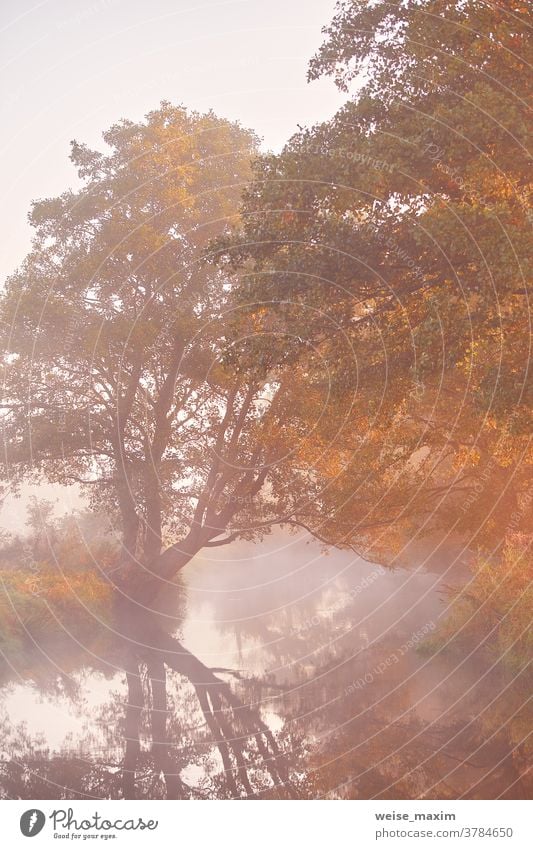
x=124 y=363
x=395 y=239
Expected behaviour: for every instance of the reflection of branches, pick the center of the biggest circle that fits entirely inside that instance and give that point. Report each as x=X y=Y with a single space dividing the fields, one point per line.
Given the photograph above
x=232 y=723
x=220 y=705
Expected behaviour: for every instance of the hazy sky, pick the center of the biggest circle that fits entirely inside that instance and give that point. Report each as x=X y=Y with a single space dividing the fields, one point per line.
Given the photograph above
x=70 y=68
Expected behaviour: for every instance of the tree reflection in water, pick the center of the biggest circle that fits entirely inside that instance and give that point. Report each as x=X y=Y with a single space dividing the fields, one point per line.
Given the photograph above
x=305 y=704
x=154 y=729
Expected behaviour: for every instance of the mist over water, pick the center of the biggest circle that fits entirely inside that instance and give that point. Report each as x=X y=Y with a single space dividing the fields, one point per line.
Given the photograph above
x=328 y=647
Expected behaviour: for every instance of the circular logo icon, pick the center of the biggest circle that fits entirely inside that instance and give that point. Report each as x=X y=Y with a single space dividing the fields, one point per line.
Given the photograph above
x=32 y=822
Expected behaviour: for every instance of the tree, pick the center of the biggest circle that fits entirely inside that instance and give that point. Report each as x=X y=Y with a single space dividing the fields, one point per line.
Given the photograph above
x=133 y=369
x=114 y=331
x=100 y=317
x=394 y=239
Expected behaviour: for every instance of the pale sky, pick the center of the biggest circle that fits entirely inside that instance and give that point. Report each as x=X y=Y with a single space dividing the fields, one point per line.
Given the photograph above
x=70 y=68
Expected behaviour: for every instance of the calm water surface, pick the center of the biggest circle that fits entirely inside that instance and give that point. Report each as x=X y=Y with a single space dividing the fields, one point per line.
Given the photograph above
x=330 y=649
